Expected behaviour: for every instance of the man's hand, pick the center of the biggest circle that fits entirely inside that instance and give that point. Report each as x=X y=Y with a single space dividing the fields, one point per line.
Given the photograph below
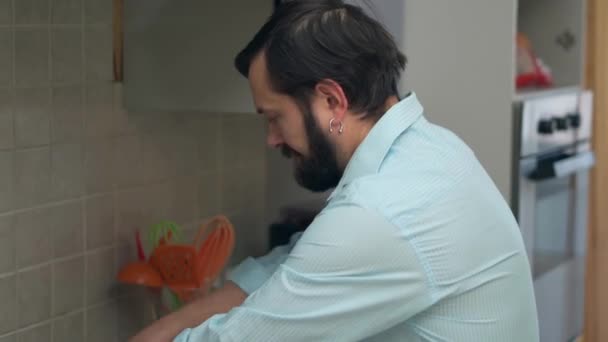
x=193 y=314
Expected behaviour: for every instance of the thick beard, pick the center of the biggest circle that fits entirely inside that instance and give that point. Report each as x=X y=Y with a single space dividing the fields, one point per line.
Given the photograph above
x=320 y=170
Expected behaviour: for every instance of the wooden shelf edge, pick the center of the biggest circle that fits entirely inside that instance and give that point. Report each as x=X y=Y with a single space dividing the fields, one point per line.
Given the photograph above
x=596 y=299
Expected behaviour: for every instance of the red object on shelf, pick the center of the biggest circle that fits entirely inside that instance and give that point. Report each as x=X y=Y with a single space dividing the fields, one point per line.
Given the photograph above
x=531 y=72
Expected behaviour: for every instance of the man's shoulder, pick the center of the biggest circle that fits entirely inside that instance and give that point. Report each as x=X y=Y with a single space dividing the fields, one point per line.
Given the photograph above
x=408 y=183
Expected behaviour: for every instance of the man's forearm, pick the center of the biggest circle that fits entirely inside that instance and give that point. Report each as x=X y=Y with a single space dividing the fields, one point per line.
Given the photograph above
x=193 y=314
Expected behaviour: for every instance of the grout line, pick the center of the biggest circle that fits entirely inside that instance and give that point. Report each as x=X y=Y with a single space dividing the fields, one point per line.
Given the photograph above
x=84 y=217
x=85 y=316
x=220 y=165
x=53 y=303
x=198 y=177
x=50 y=54
x=50 y=321
x=52 y=150
x=13 y=154
x=70 y=313
x=26 y=328
x=85 y=290
x=49 y=102
x=84 y=197
x=84 y=63
x=14 y=45
x=58 y=260
x=50 y=116
x=13 y=82
x=32 y=148
x=16 y=300
x=51 y=111
x=49 y=84
x=48 y=205
x=54 y=26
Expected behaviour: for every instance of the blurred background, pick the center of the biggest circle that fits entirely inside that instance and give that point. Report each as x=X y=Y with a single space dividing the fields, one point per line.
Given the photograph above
x=116 y=115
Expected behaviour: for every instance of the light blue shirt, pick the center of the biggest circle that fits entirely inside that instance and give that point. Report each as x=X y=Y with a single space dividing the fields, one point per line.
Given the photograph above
x=415 y=244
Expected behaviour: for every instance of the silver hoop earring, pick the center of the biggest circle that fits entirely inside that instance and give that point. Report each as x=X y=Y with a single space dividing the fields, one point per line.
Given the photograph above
x=332 y=124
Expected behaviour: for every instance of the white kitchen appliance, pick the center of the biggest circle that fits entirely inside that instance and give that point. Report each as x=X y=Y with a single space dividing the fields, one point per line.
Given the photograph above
x=550 y=200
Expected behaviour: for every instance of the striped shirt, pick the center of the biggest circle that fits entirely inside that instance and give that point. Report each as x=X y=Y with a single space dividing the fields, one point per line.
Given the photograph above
x=415 y=244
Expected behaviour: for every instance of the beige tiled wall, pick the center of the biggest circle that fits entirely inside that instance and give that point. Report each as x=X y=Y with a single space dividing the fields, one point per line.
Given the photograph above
x=78 y=174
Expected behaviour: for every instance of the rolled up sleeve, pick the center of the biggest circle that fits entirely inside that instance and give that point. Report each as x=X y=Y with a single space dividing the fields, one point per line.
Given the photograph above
x=349 y=276
x=250 y=274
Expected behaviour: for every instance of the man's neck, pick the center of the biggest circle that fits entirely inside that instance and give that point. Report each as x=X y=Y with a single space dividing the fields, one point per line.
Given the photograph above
x=357 y=131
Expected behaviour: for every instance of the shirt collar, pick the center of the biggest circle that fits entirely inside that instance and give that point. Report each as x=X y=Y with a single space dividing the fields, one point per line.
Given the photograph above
x=371 y=152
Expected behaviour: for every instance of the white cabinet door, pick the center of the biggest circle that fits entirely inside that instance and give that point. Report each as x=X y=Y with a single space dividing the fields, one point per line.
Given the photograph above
x=179 y=54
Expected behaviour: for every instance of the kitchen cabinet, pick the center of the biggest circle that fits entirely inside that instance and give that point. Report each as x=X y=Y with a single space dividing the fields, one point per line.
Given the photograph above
x=178 y=55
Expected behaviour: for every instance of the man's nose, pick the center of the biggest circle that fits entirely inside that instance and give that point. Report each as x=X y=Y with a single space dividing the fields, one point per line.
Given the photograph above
x=274 y=140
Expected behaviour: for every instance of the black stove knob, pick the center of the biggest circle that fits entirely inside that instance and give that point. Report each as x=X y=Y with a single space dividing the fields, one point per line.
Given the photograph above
x=575 y=120
x=546 y=126
x=561 y=123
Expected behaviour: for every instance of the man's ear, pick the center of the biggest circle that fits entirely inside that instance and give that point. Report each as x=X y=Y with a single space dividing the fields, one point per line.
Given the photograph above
x=333 y=97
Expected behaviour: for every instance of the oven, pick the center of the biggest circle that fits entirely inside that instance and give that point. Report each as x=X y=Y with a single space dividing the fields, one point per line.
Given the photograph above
x=550 y=199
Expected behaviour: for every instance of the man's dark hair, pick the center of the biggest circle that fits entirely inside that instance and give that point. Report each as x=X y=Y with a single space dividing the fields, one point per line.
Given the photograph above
x=307 y=41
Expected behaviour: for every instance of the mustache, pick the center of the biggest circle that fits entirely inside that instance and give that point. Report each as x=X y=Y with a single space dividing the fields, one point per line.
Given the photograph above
x=287 y=152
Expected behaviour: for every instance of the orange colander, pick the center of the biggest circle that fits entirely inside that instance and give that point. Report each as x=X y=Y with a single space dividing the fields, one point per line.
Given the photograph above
x=185 y=269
